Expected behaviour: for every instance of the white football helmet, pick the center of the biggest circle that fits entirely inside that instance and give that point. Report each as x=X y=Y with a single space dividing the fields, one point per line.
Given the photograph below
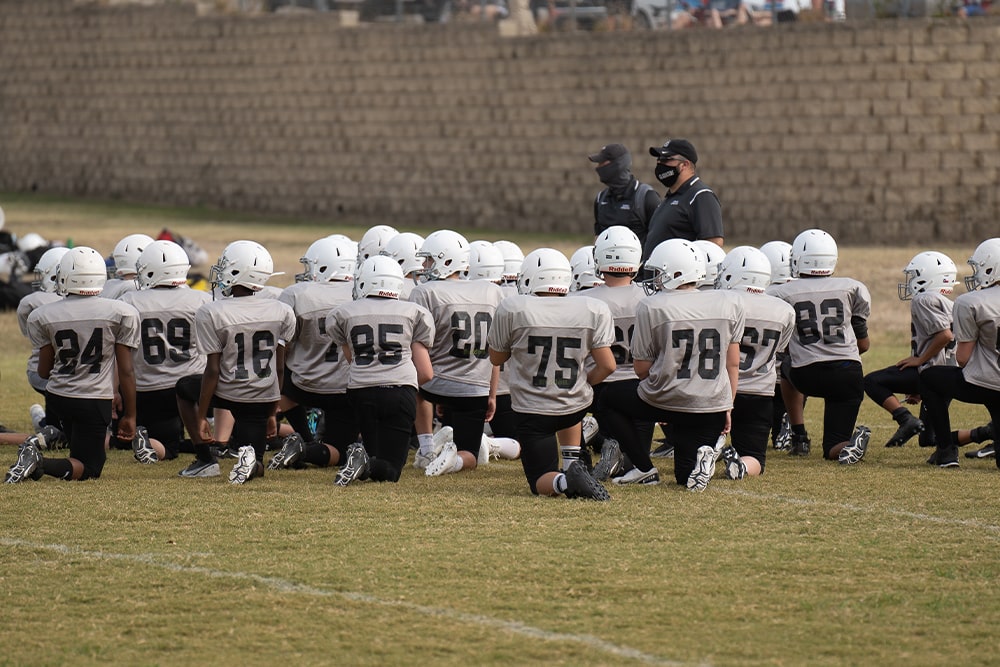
x=245 y=263
x=127 y=251
x=443 y=253
x=47 y=269
x=374 y=241
x=329 y=258
x=512 y=258
x=404 y=248
x=379 y=275
x=928 y=272
x=31 y=241
x=82 y=271
x=713 y=257
x=485 y=262
x=674 y=262
x=744 y=268
x=162 y=263
x=584 y=269
x=545 y=271
x=779 y=253
x=8 y=267
x=814 y=253
x=985 y=263
x=617 y=250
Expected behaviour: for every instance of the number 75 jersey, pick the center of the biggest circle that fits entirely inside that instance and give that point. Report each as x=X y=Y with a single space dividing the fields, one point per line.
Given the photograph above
x=825 y=309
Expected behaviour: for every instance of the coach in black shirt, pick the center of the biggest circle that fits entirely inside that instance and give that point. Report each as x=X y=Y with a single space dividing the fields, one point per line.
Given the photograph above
x=624 y=200
x=689 y=210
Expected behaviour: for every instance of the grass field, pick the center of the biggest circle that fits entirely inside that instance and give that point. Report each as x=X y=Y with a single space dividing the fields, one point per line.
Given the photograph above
x=887 y=562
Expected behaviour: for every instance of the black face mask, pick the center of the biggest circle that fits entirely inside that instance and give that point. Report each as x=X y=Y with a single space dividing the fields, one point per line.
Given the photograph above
x=667 y=175
x=617 y=173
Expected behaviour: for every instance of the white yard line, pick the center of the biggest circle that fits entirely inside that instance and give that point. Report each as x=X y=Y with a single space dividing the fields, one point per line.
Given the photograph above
x=286 y=586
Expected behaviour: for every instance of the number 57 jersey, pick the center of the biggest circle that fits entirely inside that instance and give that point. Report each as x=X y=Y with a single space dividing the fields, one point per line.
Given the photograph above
x=548 y=339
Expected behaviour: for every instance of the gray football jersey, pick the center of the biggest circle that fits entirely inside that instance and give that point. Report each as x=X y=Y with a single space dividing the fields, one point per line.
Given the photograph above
x=503 y=386
x=315 y=362
x=823 y=309
x=976 y=317
x=930 y=314
x=83 y=332
x=622 y=301
x=115 y=287
x=25 y=307
x=167 y=350
x=686 y=335
x=246 y=332
x=548 y=339
x=463 y=312
x=769 y=325
x=379 y=333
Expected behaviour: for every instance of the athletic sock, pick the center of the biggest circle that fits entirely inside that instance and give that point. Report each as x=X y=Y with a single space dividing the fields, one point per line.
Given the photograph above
x=799 y=429
x=316 y=454
x=569 y=454
x=457 y=465
x=203 y=451
x=559 y=483
x=980 y=433
x=425 y=443
x=60 y=468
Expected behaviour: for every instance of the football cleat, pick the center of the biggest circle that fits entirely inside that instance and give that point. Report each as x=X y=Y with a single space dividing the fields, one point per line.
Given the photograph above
x=421 y=459
x=142 y=450
x=611 y=460
x=484 y=451
x=985 y=452
x=199 y=468
x=733 y=464
x=664 y=451
x=783 y=440
x=855 y=450
x=28 y=459
x=704 y=468
x=291 y=450
x=910 y=427
x=636 y=476
x=799 y=445
x=243 y=469
x=580 y=484
x=37 y=413
x=357 y=465
x=590 y=428
x=48 y=439
x=444 y=462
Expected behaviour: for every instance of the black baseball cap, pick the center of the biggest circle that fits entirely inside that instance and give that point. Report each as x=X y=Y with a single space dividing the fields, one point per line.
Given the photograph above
x=609 y=152
x=672 y=147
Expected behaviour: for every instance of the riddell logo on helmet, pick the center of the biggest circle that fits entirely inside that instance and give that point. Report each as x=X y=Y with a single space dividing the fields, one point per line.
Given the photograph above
x=618 y=269
x=387 y=293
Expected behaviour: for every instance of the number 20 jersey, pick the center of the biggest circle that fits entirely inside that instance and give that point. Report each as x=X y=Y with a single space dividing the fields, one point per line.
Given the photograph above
x=686 y=335
x=83 y=332
x=167 y=351
x=824 y=308
x=548 y=339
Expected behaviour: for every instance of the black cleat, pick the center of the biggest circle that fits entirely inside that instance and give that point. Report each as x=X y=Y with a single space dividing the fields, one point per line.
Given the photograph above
x=910 y=427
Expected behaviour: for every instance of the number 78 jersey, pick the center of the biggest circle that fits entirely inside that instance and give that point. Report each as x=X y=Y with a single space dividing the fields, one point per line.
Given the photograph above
x=825 y=308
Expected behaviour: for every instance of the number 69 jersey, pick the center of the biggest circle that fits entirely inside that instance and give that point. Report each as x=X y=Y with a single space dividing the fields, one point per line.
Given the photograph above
x=83 y=332
x=166 y=351
x=246 y=331
x=548 y=339
x=686 y=335
x=825 y=310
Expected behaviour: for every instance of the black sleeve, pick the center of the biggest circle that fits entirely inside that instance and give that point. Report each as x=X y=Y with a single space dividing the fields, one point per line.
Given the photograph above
x=860 y=326
x=706 y=215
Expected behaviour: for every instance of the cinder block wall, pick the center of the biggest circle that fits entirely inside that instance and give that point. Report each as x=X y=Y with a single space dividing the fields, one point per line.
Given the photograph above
x=878 y=132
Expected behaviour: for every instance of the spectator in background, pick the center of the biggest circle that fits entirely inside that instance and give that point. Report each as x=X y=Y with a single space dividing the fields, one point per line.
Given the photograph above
x=689 y=210
x=624 y=201
x=966 y=8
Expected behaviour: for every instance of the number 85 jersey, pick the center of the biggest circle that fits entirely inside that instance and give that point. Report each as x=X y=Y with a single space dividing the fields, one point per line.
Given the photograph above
x=827 y=310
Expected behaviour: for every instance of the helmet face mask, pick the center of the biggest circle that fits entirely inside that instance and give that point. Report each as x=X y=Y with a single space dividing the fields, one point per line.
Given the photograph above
x=162 y=264
x=379 y=276
x=744 y=268
x=443 y=254
x=674 y=263
x=617 y=251
x=985 y=263
x=47 y=270
x=244 y=263
x=928 y=272
x=814 y=253
x=545 y=271
x=584 y=269
x=82 y=271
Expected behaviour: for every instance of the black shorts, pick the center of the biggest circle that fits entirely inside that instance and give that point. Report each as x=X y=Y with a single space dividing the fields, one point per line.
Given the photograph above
x=465 y=414
x=340 y=417
x=85 y=423
x=751 y=425
x=841 y=386
x=539 y=447
x=157 y=412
